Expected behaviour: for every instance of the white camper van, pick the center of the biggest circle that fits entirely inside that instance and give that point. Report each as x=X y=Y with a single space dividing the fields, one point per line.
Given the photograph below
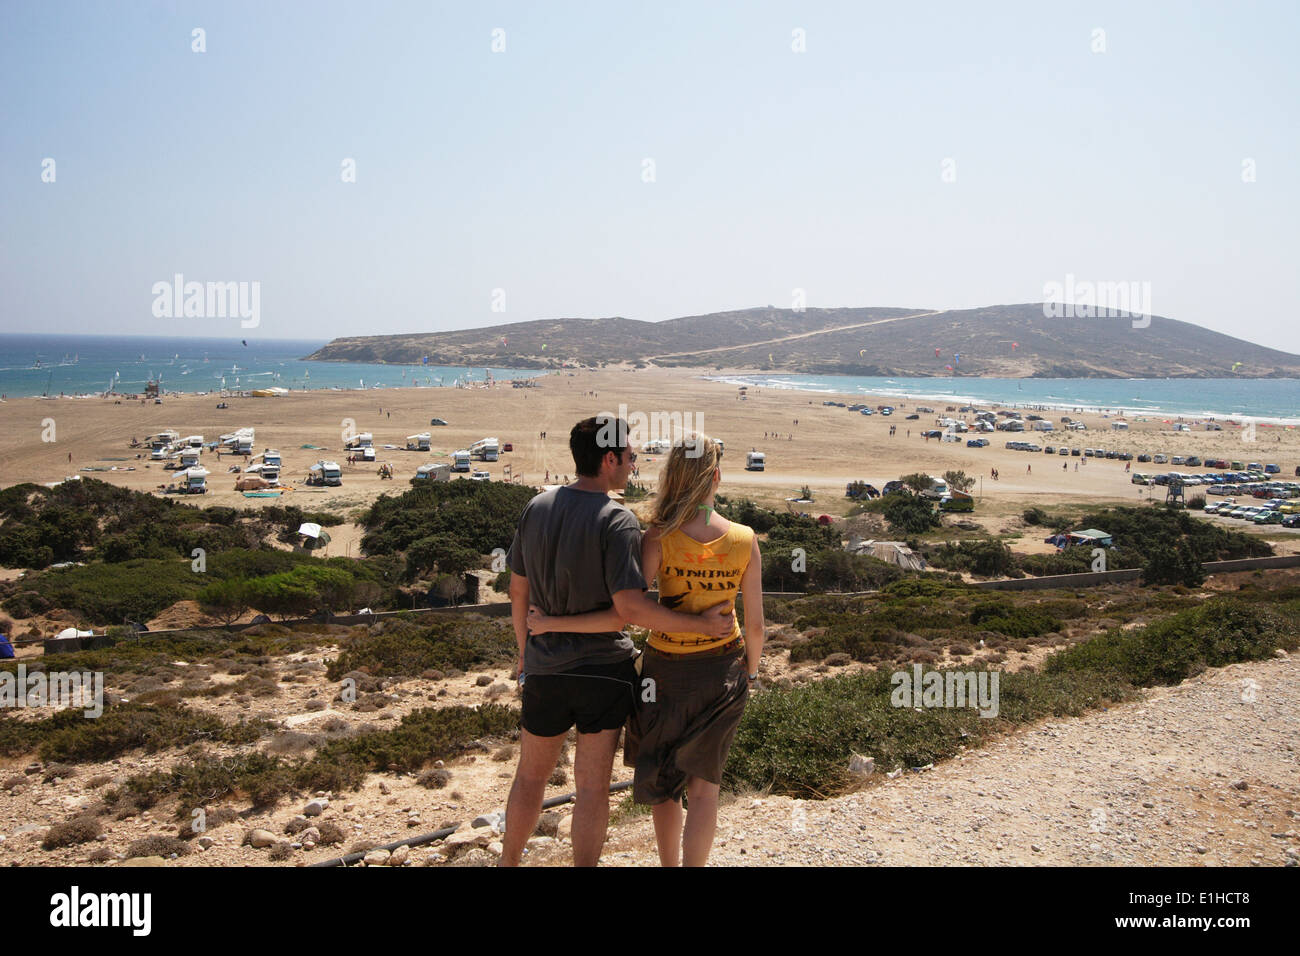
x=486 y=449
x=460 y=460
x=326 y=473
x=418 y=442
x=193 y=481
x=434 y=471
x=755 y=461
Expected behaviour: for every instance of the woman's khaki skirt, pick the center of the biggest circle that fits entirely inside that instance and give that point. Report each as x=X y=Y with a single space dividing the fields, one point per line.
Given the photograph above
x=688 y=707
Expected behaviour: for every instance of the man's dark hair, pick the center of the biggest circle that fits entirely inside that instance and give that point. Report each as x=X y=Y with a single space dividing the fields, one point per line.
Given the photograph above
x=592 y=437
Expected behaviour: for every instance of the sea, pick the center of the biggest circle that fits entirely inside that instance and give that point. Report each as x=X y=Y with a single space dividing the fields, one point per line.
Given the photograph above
x=1273 y=400
x=36 y=365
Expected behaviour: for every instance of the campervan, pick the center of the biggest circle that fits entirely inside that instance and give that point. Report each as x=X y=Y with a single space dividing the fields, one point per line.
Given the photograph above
x=364 y=440
x=755 y=461
x=418 y=442
x=656 y=446
x=325 y=473
x=189 y=457
x=267 y=465
x=486 y=449
x=193 y=481
x=460 y=460
x=433 y=471
x=938 y=488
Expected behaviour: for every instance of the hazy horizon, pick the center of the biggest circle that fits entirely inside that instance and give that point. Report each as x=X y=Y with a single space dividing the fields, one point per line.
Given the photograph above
x=410 y=168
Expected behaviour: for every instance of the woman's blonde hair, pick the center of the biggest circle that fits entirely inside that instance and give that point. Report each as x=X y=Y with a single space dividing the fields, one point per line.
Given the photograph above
x=685 y=482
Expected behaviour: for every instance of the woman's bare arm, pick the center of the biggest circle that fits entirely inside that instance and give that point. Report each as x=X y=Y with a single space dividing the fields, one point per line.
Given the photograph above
x=751 y=589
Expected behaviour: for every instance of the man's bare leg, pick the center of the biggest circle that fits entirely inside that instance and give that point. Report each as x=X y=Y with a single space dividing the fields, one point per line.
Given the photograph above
x=701 y=821
x=537 y=758
x=592 y=766
x=668 y=832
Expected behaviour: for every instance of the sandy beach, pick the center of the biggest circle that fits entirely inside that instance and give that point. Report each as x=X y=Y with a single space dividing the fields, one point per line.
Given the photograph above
x=827 y=448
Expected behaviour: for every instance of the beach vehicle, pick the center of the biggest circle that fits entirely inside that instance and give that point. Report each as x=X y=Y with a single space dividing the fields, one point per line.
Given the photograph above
x=887 y=410
x=951 y=436
x=913 y=417
x=433 y=471
x=1255 y=466
x=1194 y=461
x=1178 y=460
x=1291 y=521
x=655 y=446
x=755 y=461
x=1063 y=451
x=1049 y=450
x=418 y=442
x=1182 y=427
x=1268 y=516
x=222 y=405
x=1075 y=453
x=856 y=408
x=189 y=457
x=325 y=473
x=930 y=411
x=1144 y=457
x=486 y=449
x=895 y=487
x=860 y=489
x=1238 y=466
x=957 y=501
x=481 y=476
x=932 y=433
x=938 y=488
x=460 y=460
x=1161 y=459
x=1140 y=479
x=510 y=447
x=977 y=443
x=194 y=441
x=437 y=421
x=192 y=481
x=1213 y=427
x=868 y=411
x=267 y=464
x=363 y=440
x=1272 y=469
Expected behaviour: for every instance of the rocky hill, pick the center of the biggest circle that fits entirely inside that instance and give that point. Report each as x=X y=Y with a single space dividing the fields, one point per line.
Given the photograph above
x=1002 y=340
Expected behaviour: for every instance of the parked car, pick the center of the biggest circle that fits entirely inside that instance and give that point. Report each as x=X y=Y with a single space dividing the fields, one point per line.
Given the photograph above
x=1291 y=521
x=977 y=443
x=912 y=418
x=1144 y=457
x=437 y=421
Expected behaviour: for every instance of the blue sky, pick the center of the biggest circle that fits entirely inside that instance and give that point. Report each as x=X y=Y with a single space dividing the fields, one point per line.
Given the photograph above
x=522 y=170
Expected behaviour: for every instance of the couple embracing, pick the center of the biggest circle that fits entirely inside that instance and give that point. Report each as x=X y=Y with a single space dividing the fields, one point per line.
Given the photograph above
x=580 y=568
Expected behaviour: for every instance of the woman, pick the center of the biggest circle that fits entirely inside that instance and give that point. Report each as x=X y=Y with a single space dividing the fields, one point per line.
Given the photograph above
x=693 y=687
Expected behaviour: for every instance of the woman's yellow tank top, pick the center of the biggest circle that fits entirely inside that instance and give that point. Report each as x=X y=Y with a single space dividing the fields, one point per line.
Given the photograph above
x=696 y=575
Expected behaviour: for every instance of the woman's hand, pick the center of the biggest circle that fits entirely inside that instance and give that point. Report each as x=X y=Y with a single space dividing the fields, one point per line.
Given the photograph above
x=538 y=623
x=718 y=620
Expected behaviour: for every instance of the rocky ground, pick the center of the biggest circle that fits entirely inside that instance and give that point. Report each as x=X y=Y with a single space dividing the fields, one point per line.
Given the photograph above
x=1203 y=773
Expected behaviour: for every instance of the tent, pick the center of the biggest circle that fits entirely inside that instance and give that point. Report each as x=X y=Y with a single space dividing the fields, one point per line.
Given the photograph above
x=893 y=552
x=313 y=536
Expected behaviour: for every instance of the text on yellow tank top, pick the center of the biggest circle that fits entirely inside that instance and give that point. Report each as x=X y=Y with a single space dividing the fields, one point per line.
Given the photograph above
x=694 y=576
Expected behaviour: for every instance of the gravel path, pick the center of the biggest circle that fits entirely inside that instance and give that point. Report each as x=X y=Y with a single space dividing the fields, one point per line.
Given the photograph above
x=1204 y=773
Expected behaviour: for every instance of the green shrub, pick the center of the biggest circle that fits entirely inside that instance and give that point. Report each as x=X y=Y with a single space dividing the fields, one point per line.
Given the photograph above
x=407 y=650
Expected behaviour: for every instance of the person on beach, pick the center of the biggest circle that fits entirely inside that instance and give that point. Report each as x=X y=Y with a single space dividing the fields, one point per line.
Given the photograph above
x=693 y=685
x=578 y=551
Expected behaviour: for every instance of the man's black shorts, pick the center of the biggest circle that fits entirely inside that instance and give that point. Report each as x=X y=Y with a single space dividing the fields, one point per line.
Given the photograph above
x=595 y=697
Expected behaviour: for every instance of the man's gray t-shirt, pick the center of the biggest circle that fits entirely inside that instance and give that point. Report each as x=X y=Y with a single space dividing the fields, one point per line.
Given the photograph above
x=577 y=549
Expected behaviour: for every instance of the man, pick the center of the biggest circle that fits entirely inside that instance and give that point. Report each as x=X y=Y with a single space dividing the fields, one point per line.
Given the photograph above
x=577 y=550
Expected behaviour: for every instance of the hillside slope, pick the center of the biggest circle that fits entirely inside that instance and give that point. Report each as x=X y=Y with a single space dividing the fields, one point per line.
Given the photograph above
x=1002 y=340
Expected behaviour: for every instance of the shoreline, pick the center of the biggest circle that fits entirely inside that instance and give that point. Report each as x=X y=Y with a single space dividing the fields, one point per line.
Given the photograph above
x=1234 y=418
